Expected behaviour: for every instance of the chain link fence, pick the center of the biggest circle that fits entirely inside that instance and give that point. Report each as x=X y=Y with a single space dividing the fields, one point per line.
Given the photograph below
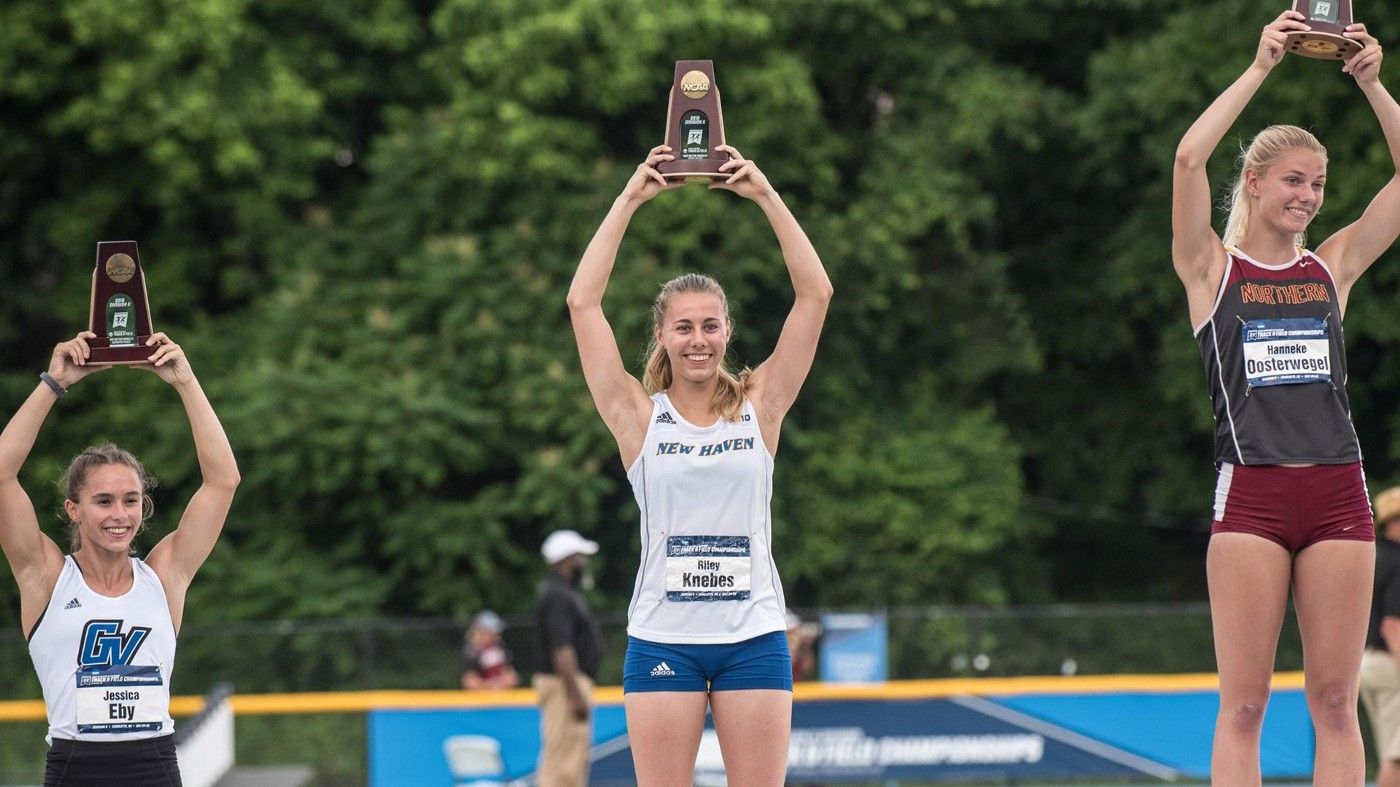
x=350 y=655
x=924 y=642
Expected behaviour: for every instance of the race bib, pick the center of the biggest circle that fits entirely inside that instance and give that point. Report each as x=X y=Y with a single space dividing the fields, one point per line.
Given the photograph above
x=707 y=568
x=1286 y=352
x=123 y=698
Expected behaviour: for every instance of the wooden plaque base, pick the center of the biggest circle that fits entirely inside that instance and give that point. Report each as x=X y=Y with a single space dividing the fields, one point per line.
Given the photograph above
x=1322 y=46
x=1328 y=19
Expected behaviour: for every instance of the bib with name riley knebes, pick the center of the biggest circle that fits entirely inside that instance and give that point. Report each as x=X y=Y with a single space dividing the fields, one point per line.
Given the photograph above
x=707 y=574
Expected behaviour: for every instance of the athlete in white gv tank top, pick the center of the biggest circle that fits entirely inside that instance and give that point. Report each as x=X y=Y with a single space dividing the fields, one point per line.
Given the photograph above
x=105 y=663
x=707 y=574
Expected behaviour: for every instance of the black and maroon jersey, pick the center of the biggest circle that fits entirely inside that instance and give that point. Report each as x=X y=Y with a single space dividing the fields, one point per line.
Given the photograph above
x=1276 y=365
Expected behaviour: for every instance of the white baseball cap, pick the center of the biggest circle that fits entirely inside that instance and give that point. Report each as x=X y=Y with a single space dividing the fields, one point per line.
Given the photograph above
x=565 y=543
x=487 y=620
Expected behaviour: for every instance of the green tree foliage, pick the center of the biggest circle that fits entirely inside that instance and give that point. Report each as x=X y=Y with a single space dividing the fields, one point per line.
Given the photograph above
x=362 y=217
x=205 y=130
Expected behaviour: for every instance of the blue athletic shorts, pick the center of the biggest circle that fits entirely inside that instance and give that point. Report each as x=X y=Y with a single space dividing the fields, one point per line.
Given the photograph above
x=759 y=663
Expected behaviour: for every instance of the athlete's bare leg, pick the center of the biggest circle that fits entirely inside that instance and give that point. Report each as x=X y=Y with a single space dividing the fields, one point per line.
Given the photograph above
x=663 y=728
x=754 y=727
x=1248 y=578
x=1332 y=592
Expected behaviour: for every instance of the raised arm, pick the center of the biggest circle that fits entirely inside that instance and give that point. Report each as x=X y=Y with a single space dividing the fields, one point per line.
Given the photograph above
x=775 y=383
x=618 y=396
x=35 y=560
x=1197 y=254
x=1354 y=247
x=179 y=555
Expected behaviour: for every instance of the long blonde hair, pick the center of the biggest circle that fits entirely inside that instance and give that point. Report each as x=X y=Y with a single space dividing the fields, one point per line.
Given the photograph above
x=1261 y=153
x=729 y=394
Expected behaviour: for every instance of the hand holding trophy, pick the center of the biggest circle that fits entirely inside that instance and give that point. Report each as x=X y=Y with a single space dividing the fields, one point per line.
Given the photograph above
x=1328 y=19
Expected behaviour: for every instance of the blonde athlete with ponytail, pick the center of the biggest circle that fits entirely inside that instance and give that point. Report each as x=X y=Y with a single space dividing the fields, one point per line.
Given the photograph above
x=705 y=626
x=1291 y=509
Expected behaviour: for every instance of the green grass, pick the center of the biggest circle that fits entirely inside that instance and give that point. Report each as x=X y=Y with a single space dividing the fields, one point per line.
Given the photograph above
x=333 y=743
x=22 y=749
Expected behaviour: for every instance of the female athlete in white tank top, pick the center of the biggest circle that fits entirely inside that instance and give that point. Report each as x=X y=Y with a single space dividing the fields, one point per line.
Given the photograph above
x=101 y=624
x=707 y=573
x=698 y=443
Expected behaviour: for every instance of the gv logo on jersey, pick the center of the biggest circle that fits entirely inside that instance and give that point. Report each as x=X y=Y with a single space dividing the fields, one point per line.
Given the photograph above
x=104 y=644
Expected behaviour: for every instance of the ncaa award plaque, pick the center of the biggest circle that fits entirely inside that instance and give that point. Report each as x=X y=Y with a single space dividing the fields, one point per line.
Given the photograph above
x=120 y=314
x=1327 y=18
x=694 y=126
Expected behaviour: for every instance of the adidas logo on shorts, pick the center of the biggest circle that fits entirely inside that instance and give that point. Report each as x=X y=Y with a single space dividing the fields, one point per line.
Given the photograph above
x=665 y=418
x=74 y=604
x=663 y=670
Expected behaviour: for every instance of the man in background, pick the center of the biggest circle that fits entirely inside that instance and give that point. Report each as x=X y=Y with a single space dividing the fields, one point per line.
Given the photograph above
x=1380 y=664
x=570 y=648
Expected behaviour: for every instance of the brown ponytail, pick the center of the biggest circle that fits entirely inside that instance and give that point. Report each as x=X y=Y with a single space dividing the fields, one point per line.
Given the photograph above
x=75 y=478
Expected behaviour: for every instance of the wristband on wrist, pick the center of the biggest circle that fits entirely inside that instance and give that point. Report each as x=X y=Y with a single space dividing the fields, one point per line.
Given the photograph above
x=52 y=383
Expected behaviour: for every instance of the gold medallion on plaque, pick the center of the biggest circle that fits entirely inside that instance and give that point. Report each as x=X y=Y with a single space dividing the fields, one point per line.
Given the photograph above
x=695 y=84
x=1321 y=48
x=120 y=268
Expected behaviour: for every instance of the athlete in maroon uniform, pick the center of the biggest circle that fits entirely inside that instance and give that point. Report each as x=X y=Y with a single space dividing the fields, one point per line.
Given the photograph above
x=486 y=664
x=1291 y=507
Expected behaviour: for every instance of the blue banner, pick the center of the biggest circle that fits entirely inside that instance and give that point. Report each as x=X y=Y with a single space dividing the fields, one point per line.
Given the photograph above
x=408 y=748
x=1126 y=735
x=853 y=648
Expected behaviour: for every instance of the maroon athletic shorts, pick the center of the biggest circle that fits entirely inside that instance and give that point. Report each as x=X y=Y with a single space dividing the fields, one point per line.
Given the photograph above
x=1295 y=507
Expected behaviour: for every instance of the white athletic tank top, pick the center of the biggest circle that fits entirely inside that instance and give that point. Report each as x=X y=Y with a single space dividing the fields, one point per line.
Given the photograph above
x=707 y=573
x=105 y=663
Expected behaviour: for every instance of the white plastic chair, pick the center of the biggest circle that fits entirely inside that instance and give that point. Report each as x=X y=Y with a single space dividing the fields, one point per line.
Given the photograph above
x=475 y=760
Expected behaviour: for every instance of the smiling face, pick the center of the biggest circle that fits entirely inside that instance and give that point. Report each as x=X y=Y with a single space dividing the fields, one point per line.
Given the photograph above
x=1287 y=195
x=108 y=511
x=694 y=332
